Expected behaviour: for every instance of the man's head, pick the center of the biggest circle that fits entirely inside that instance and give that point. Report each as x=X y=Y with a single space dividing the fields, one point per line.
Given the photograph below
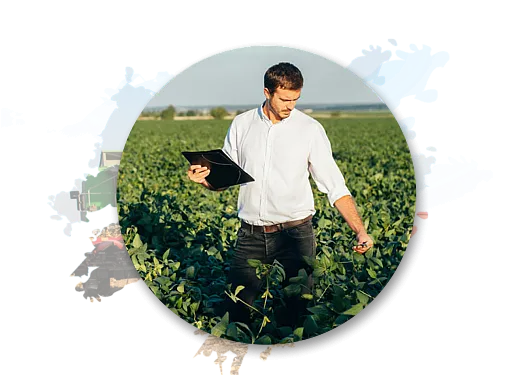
x=283 y=83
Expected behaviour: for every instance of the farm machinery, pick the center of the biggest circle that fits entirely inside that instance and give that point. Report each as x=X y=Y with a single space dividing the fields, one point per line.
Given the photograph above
x=106 y=267
x=100 y=190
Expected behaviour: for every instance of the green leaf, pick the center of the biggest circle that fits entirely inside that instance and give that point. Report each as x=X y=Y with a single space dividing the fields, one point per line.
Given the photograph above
x=238 y=289
x=176 y=265
x=326 y=251
x=285 y=331
x=190 y=272
x=298 y=332
x=264 y=340
x=137 y=241
x=372 y=273
x=378 y=261
x=246 y=327
x=296 y=279
x=212 y=250
x=359 y=258
x=362 y=298
x=340 y=320
x=338 y=291
x=307 y=296
x=232 y=331
x=318 y=272
x=165 y=255
x=135 y=262
x=310 y=325
x=180 y=288
x=220 y=328
x=194 y=307
x=339 y=304
x=320 y=310
x=292 y=290
x=354 y=309
x=254 y=263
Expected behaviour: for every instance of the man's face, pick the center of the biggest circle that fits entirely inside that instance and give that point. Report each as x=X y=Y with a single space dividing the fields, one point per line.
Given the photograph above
x=282 y=101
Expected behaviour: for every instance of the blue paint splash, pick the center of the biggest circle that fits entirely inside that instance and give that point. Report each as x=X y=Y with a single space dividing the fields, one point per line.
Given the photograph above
x=94 y=122
x=409 y=121
x=408 y=75
x=9 y=118
x=455 y=179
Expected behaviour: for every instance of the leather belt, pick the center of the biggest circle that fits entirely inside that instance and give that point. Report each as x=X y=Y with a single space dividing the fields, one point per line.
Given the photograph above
x=275 y=227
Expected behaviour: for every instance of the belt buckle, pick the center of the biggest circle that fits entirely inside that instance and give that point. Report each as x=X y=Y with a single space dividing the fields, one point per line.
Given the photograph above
x=271 y=228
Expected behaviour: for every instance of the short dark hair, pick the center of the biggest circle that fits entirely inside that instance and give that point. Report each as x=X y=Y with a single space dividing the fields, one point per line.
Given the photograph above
x=283 y=75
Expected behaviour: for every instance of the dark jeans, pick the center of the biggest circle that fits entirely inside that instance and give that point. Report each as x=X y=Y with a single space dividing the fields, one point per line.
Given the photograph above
x=287 y=247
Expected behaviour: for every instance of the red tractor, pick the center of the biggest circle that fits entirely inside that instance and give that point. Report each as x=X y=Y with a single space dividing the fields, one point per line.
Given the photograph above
x=106 y=268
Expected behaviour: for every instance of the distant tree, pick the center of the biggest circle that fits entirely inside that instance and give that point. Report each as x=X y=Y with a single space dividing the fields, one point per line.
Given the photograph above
x=168 y=113
x=181 y=114
x=335 y=114
x=218 y=113
x=148 y=113
x=191 y=112
x=239 y=111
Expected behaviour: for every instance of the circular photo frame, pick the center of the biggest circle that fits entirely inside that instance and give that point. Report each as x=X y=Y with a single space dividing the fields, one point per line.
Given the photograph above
x=266 y=195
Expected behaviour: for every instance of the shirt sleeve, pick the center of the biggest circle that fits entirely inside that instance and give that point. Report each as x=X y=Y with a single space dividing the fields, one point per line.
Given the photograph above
x=323 y=168
x=230 y=142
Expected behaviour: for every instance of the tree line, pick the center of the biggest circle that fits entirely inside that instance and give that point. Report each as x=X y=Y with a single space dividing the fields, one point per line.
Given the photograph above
x=169 y=113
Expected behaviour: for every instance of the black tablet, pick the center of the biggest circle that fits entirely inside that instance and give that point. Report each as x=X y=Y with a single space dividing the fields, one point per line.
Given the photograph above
x=224 y=171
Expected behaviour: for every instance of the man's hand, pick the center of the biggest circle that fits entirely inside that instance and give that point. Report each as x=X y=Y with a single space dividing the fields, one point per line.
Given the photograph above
x=347 y=209
x=198 y=174
x=365 y=242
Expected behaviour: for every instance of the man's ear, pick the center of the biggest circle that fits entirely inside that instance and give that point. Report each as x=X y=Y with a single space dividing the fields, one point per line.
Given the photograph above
x=267 y=93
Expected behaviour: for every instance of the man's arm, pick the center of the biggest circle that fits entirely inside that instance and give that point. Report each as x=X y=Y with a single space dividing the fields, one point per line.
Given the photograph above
x=198 y=174
x=330 y=181
x=347 y=208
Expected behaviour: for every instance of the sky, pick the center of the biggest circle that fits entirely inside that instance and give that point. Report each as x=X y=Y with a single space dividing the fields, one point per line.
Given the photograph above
x=236 y=78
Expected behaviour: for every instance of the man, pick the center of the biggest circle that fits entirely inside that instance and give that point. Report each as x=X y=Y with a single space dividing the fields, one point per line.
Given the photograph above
x=279 y=146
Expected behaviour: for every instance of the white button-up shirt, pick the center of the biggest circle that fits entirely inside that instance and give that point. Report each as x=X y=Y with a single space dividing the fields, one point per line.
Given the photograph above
x=280 y=157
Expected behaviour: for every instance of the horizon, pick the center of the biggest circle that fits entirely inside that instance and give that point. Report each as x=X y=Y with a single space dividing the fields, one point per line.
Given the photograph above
x=303 y=106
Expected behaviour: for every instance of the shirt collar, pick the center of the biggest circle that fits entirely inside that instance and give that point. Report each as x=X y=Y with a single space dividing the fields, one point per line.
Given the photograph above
x=264 y=117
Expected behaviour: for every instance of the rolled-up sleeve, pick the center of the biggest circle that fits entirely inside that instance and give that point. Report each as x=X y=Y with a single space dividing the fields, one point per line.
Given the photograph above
x=323 y=168
x=230 y=142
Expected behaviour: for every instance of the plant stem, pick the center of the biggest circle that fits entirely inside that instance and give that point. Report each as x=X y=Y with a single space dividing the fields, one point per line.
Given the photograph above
x=267 y=288
x=366 y=294
x=260 y=331
x=322 y=294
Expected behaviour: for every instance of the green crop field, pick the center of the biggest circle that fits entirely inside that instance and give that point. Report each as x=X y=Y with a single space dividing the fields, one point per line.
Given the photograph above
x=180 y=235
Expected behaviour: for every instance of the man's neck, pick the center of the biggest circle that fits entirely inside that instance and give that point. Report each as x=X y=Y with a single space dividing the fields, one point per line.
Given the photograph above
x=266 y=108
